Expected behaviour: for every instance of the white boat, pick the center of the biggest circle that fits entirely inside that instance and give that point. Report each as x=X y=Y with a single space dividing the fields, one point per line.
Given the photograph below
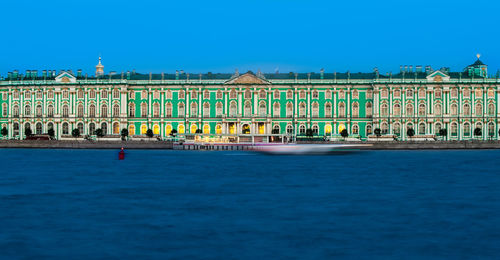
x=313 y=149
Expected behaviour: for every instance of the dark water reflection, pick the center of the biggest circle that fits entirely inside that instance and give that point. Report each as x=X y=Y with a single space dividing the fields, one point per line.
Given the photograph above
x=81 y=204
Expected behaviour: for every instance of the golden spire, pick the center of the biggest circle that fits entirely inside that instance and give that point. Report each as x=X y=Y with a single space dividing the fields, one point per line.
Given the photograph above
x=478 y=56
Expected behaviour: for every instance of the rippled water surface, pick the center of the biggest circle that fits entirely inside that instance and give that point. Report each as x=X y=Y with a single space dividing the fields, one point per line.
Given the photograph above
x=85 y=204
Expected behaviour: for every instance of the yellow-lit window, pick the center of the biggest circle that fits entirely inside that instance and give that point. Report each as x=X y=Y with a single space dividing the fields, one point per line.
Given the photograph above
x=131 y=130
x=193 y=129
x=181 y=129
x=156 y=130
x=168 y=129
x=144 y=129
x=206 y=129
x=218 y=129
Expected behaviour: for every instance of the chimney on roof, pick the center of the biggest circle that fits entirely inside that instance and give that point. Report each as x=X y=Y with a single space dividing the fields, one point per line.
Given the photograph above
x=428 y=69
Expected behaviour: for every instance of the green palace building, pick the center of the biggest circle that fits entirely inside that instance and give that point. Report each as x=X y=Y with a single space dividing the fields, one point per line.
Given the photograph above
x=248 y=106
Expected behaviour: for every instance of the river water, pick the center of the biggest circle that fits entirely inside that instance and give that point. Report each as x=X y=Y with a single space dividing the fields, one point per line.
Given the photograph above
x=157 y=204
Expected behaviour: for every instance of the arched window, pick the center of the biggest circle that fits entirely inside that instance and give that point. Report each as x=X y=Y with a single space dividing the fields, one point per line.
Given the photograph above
x=289 y=109
x=276 y=129
x=384 y=93
x=342 y=109
x=369 y=109
x=328 y=94
x=182 y=94
x=50 y=111
x=144 y=109
x=180 y=110
x=92 y=129
x=302 y=94
x=491 y=129
x=156 y=110
x=206 y=129
x=248 y=94
x=168 y=129
x=80 y=128
x=289 y=94
x=491 y=109
x=92 y=94
x=219 y=94
x=466 y=129
x=437 y=93
x=437 y=109
x=276 y=94
x=116 y=128
x=355 y=129
x=355 y=110
x=454 y=109
x=38 y=128
x=193 y=129
x=396 y=110
x=341 y=94
x=218 y=129
x=206 y=94
x=65 y=111
x=232 y=94
x=276 y=109
x=116 y=110
x=104 y=110
x=315 y=129
x=479 y=109
x=131 y=110
x=232 y=109
x=104 y=94
x=315 y=110
x=38 y=111
x=384 y=110
x=168 y=94
x=454 y=93
x=50 y=94
x=396 y=128
x=206 y=109
x=15 y=110
x=466 y=93
x=302 y=109
x=15 y=95
x=397 y=93
x=156 y=94
x=27 y=110
x=454 y=129
x=328 y=109
x=384 y=128
x=262 y=109
x=39 y=95
x=421 y=93
x=144 y=94
x=131 y=130
x=65 y=128
x=194 y=109
x=355 y=94
x=491 y=93
x=302 y=129
x=144 y=129
x=79 y=94
x=79 y=110
x=328 y=129
x=168 y=110
x=421 y=129
x=466 y=110
x=315 y=94
x=409 y=93
x=92 y=110
x=116 y=93
x=289 y=129
x=262 y=94
x=409 y=109
x=421 y=110
x=479 y=93
x=368 y=129
x=104 y=127
x=156 y=129
x=218 y=109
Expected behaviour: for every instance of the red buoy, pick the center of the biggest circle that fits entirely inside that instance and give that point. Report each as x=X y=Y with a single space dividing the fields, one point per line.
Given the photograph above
x=121 y=154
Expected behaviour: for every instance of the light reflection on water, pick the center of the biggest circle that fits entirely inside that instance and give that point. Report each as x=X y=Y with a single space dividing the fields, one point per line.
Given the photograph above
x=219 y=204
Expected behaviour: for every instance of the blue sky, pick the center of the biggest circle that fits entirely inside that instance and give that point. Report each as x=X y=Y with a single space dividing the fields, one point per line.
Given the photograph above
x=219 y=36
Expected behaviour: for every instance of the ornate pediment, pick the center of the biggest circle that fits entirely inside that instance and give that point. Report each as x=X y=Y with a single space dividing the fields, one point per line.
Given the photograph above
x=438 y=76
x=248 y=78
x=65 y=77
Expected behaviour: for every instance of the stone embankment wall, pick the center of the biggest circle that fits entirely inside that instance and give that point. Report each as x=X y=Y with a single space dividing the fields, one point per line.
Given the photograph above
x=84 y=144
x=80 y=144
